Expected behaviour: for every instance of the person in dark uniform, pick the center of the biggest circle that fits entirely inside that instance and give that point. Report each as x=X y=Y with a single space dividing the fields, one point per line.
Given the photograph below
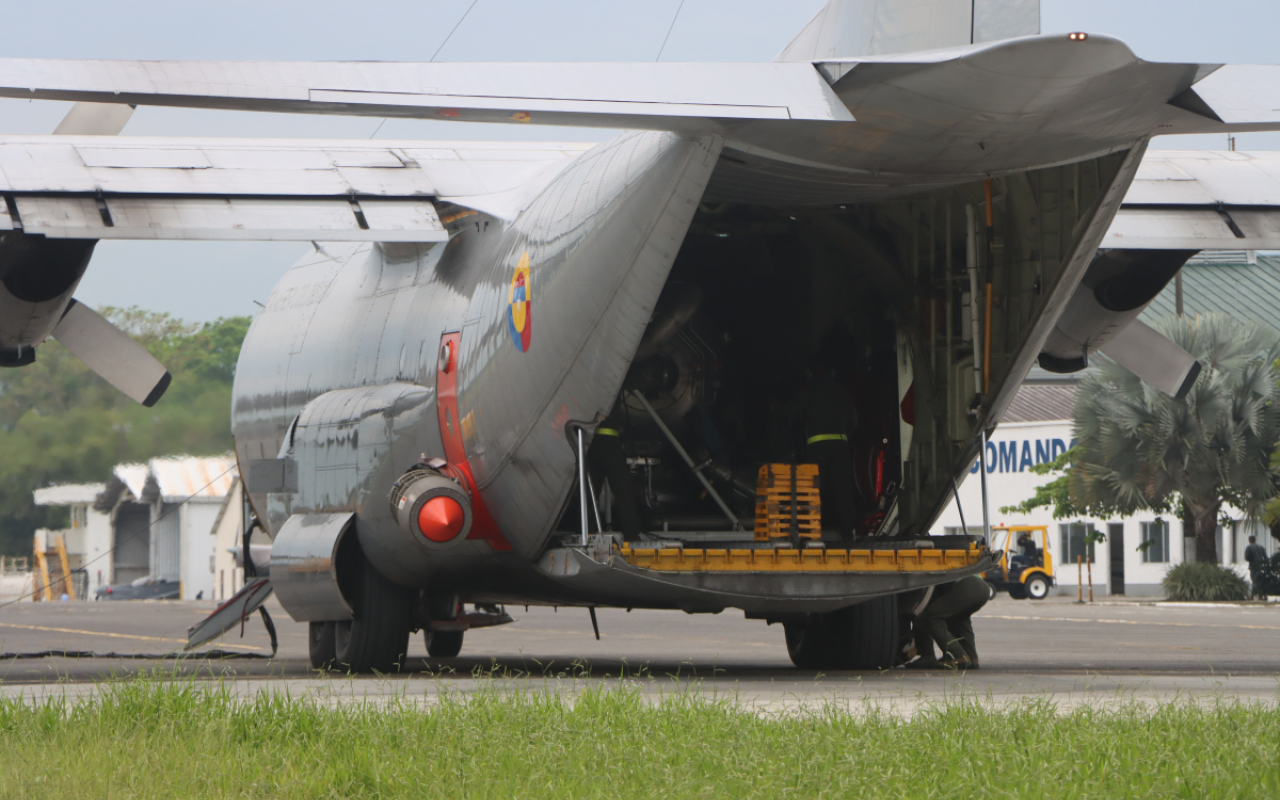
x=607 y=461
x=947 y=621
x=1256 y=557
x=829 y=419
x=1029 y=556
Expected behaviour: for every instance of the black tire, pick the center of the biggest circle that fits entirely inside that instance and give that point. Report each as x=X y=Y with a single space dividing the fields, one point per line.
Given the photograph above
x=865 y=636
x=1036 y=587
x=378 y=638
x=1017 y=591
x=807 y=643
x=862 y=637
x=443 y=644
x=321 y=647
x=991 y=590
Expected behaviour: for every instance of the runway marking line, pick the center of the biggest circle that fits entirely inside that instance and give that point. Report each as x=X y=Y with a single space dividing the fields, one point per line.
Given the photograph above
x=1133 y=622
x=104 y=633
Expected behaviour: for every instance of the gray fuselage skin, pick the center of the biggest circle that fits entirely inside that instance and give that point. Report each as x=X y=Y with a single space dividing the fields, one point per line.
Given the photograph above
x=355 y=331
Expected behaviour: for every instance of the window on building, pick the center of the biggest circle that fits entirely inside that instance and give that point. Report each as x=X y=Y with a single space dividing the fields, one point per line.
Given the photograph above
x=1155 y=540
x=1073 y=545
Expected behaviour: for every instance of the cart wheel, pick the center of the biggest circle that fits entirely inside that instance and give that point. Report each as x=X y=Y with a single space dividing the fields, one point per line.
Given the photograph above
x=1037 y=587
x=991 y=590
x=443 y=644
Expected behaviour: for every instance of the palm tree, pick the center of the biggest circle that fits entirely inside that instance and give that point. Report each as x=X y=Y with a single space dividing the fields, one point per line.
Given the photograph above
x=1141 y=449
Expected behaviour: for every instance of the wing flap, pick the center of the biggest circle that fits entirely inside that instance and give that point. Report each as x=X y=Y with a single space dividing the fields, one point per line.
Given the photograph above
x=278 y=167
x=1201 y=200
x=1195 y=229
x=228 y=218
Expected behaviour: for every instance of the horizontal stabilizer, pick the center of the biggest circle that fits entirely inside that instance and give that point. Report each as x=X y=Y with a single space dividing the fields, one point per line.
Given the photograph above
x=1239 y=95
x=1154 y=358
x=678 y=97
x=112 y=354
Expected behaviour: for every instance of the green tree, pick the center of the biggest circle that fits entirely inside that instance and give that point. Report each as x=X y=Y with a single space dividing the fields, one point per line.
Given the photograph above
x=1141 y=449
x=60 y=423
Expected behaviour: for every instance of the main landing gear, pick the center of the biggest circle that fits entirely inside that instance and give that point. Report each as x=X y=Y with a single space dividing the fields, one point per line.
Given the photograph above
x=864 y=636
x=377 y=639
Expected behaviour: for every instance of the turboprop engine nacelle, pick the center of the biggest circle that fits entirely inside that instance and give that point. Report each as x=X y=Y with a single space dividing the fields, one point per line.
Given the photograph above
x=1102 y=315
x=37 y=278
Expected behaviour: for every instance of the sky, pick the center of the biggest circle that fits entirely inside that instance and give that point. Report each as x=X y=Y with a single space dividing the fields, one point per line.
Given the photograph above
x=202 y=281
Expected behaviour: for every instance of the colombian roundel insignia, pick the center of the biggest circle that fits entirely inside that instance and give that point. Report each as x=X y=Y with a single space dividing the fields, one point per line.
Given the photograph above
x=520 y=309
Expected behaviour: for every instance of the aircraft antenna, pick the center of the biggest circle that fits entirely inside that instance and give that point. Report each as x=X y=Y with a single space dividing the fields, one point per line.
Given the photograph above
x=665 y=39
x=459 y=25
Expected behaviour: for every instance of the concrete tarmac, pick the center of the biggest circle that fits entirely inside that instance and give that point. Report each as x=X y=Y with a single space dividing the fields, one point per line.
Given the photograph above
x=1100 y=654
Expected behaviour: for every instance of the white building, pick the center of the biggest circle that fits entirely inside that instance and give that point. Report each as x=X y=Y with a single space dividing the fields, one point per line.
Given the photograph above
x=163 y=515
x=1037 y=428
x=228 y=532
x=88 y=538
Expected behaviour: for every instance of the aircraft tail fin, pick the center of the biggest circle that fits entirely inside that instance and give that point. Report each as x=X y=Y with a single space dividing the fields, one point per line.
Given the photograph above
x=852 y=28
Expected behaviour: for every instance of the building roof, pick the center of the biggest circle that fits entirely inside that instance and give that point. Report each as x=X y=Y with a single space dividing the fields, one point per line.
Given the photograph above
x=181 y=478
x=176 y=479
x=1042 y=403
x=68 y=494
x=1227 y=283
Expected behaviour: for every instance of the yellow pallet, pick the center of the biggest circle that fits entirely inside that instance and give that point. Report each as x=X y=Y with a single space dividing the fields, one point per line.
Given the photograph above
x=792 y=560
x=774 y=495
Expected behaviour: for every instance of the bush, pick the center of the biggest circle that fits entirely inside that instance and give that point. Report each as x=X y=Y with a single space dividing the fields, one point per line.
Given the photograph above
x=1201 y=581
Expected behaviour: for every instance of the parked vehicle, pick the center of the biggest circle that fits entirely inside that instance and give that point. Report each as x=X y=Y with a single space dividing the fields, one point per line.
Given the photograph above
x=148 y=588
x=1025 y=568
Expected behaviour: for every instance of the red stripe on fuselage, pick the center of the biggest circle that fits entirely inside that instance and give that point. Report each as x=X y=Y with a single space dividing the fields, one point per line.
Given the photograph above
x=483 y=525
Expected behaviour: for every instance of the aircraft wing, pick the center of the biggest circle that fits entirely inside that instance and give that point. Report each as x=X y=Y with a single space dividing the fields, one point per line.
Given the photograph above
x=282 y=190
x=1201 y=200
x=615 y=95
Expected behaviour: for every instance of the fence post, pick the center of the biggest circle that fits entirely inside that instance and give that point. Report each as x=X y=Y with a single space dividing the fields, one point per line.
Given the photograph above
x=1089 y=566
x=1080 y=579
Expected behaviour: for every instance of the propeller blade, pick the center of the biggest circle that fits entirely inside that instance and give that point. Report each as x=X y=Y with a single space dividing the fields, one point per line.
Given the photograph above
x=111 y=353
x=94 y=119
x=1154 y=358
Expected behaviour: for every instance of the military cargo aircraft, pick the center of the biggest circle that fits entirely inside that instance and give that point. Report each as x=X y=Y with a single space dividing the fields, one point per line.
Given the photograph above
x=923 y=198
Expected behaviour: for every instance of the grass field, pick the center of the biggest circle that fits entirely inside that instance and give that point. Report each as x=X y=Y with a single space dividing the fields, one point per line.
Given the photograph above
x=159 y=739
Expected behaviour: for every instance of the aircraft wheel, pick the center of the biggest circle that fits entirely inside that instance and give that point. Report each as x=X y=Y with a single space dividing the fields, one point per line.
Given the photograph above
x=1037 y=587
x=443 y=644
x=320 y=641
x=807 y=643
x=378 y=638
x=866 y=635
x=991 y=590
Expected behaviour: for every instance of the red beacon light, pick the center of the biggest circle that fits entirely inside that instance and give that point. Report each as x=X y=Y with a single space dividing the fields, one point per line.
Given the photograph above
x=441 y=518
